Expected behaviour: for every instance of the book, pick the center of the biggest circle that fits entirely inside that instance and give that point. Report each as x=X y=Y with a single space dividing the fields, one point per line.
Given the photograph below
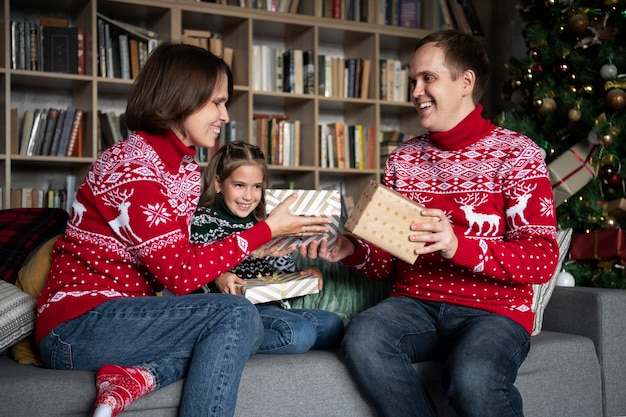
x=37 y=132
x=58 y=129
x=460 y=20
x=66 y=131
x=472 y=17
x=60 y=49
x=81 y=51
x=448 y=22
x=27 y=127
x=77 y=125
x=15 y=139
x=124 y=56
x=133 y=47
x=111 y=133
x=365 y=78
x=410 y=13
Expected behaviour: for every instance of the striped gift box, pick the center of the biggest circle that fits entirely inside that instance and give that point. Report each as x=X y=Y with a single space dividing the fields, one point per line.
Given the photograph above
x=281 y=286
x=309 y=203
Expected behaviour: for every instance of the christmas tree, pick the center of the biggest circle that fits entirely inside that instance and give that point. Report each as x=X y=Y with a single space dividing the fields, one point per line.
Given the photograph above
x=568 y=94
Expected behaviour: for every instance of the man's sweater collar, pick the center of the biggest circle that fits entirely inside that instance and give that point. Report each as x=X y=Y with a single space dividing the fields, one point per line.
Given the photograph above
x=472 y=128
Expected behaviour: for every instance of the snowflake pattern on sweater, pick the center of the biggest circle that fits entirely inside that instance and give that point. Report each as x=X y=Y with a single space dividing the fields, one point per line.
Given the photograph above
x=494 y=188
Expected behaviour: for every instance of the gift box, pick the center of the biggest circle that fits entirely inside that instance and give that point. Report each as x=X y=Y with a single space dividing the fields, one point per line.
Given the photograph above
x=324 y=203
x=616 y=208
x=600 y=245
x=571 y=171
x=383 y=217
x=280 y=286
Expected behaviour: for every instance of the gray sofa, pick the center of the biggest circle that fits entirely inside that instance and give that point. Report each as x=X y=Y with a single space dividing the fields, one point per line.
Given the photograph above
x=576 y=367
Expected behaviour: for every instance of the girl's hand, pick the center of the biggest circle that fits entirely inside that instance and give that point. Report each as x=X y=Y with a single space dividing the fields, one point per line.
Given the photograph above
x=314 y=271
x=283 y=223
x=225 y=283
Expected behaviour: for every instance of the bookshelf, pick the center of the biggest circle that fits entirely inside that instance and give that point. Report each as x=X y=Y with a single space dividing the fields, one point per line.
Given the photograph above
x=239 y=28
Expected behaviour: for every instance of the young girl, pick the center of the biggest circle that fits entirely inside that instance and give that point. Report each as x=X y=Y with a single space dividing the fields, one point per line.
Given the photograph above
x=128 y=238
x=233 y=200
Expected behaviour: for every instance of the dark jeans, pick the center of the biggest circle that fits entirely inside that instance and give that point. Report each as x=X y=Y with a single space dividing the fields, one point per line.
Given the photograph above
x=480 y=352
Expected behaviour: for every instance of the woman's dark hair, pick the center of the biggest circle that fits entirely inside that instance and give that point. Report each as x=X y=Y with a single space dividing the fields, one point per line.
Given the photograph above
x=462 y=52
x=226 y=160
x=176 y=81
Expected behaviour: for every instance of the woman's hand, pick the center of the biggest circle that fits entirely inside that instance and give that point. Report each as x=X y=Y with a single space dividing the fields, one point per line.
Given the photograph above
x=225 y=283
x=439 y=237
x=272 y=249
x=314 y=271
x=283 y=223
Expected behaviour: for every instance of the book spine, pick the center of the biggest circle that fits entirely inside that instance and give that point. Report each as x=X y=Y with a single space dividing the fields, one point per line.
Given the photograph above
x=76 y=126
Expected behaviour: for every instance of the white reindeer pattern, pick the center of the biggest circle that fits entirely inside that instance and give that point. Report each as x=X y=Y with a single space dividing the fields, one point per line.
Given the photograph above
x=121 y=224
x=517 y=210
x=78 y=210
x=468 y=205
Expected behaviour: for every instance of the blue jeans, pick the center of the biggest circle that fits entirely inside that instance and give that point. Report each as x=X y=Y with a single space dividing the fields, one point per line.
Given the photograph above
x=298 y=330
x=480 y=354
x=206 y=338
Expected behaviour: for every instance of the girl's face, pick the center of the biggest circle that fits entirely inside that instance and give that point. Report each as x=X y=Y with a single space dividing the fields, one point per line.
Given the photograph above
x=202 y=128
x=242 y=190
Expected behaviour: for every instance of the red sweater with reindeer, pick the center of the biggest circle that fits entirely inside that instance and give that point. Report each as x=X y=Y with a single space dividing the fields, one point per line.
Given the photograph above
x=493 y=185
x=128 y=235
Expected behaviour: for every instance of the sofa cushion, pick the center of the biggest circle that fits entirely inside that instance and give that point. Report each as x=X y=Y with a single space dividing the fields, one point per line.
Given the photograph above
x=18 y=312
x=543 y=292
x=345 y=293
x=23 y=230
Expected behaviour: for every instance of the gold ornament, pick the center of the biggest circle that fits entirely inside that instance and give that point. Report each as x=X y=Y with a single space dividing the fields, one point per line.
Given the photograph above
x=574 y=114
x=606 y=139
x=578 y=23
x=616 y=99
x=548 y=105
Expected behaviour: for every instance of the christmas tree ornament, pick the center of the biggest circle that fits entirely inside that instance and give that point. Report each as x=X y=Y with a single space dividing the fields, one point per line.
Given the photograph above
x=547 y=105
x=578 y=23
x=606 y=140
x=608 y=71
x=565 y=279
x=616 y=99
x=574 y=114
x=561 y=67
x=610 y=222
x=592 y=137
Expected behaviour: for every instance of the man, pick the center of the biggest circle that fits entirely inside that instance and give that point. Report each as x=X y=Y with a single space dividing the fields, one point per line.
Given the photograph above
x=467 y=299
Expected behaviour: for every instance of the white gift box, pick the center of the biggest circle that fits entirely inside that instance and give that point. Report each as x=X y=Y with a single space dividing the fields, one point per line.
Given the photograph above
x=278 y=287
x=324 y=203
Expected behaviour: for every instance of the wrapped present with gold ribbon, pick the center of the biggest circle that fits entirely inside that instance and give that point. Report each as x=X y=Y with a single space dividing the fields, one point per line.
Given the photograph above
x=571 y=171
x=599 y=245
x=383 y=217
x=280 y=286
x=323 y=203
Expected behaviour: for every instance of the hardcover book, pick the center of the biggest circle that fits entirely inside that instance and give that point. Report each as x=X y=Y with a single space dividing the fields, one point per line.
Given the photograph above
x=60 y=49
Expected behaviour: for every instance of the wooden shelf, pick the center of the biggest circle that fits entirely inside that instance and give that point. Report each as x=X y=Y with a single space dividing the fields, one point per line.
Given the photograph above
x=240 y=29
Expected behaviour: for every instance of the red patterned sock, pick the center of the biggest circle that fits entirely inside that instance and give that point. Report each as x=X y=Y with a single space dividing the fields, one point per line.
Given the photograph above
x=118 y=386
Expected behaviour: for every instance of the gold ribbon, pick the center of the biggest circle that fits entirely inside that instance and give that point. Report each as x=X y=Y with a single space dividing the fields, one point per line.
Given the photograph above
x=611 y=84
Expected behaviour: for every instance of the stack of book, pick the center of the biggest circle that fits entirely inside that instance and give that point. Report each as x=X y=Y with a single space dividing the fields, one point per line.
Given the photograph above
x=52 y=132
x=123 y=48
x=48 y=44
